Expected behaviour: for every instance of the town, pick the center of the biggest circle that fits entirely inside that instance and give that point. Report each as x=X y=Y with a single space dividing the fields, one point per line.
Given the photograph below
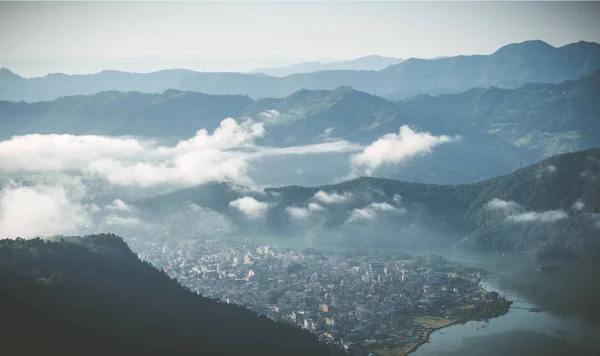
x=381 y=303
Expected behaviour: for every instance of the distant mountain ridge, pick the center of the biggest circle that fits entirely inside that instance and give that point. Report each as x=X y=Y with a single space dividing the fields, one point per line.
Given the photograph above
x=93 y=296
x=549 y=209
x=373 y=62
x=500 y=129
x=509 y=67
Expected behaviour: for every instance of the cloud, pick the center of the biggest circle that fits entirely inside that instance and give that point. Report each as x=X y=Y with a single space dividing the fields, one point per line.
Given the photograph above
x=298 y=213
x=326 y=135
x=226 y=154
x=545 y=170
x=315 y=207
x=41 y=210
x=123 y=221
x=251 y=207
x=397 y=148
x=333 y=198
x=516 y=213
x=505 y=206
x=117 y=205
x=397 y=199
x=303 y=213
x=326 y=147
x=269 y=114
x=596 y=219
x=545 y=216
x=578 y=205
x=370 y=212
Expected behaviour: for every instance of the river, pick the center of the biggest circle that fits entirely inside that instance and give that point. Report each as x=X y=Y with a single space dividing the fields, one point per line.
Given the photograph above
x=569 y=324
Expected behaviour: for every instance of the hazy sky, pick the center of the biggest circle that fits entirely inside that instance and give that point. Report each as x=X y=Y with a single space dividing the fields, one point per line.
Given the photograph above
x=83 y=37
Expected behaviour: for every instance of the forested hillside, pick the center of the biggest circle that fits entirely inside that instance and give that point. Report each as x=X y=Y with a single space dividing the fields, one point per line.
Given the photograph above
x=551 y=208
x=92 y=296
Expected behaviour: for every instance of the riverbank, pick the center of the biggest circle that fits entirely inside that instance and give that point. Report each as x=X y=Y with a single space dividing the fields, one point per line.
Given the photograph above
x=418 y=329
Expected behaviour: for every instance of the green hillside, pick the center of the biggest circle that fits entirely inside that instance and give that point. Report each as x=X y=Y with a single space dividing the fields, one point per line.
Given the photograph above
x=539 y=216
x=92 y=296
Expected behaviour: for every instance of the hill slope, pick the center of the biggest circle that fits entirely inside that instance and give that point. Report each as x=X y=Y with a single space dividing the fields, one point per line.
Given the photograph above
x=92 y=296
x=363 y=63
x=548 y=118
x=509 y=67
x=500 y=130
x=549 y=208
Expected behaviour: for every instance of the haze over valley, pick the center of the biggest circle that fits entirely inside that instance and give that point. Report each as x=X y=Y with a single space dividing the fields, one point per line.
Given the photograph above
x=394 y=197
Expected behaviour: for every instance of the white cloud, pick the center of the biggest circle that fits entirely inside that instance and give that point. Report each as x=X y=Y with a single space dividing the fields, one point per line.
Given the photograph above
x=315 y=207
x=397 y=148
x=545 y=216
x=303 y=213
x=331 y=198
x=32 y=153
x=225 y=155
x=326 y=147
x=545 y=170
x=249 y=206
x=515 y=212
x=596 y=220
x=41 y=210
x=298 y=213
x=397 y=199
x=270 y=114
x=117 y=205
x=93 y=208
x=123 y=221
x=578 y=205
x=370 y=212
x=505 y=206
x=328 y=131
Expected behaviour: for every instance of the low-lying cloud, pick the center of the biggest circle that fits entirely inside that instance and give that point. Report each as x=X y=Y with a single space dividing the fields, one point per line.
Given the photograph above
x=398 y=148
x=516 y=213
x=578 y=205
x=371 y=211
x=331 y=198
x=544 y=216
x=117 y=205
x=225 y=155
x=252 y=208
x=40 y=211
x=122 y=221
x=505 y=206
x=545 y=170
x=299 y=213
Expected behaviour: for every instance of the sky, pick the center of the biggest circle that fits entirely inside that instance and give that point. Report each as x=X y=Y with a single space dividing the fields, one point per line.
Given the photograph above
x=37 y=38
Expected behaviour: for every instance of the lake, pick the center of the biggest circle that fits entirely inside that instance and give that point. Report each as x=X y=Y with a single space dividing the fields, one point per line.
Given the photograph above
x=570 y=324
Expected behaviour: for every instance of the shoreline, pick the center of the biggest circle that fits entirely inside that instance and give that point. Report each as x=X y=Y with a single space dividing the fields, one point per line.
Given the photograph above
x=428 y=333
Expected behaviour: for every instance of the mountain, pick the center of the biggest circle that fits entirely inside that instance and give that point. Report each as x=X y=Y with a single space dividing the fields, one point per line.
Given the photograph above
x=372 y=62
x=548 y=118
x=93 y=296
x=166 y=115
x=547 y=209
x=509 y=67
x=500 y=130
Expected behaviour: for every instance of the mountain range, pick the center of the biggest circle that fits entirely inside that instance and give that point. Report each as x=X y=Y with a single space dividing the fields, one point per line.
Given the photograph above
x=372 y=62
x=93 y=296
x=500 y=130
x=549 y=209
x=509 y=67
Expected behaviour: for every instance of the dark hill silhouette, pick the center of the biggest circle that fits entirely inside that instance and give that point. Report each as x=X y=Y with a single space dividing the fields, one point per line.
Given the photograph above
x=92 y=296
